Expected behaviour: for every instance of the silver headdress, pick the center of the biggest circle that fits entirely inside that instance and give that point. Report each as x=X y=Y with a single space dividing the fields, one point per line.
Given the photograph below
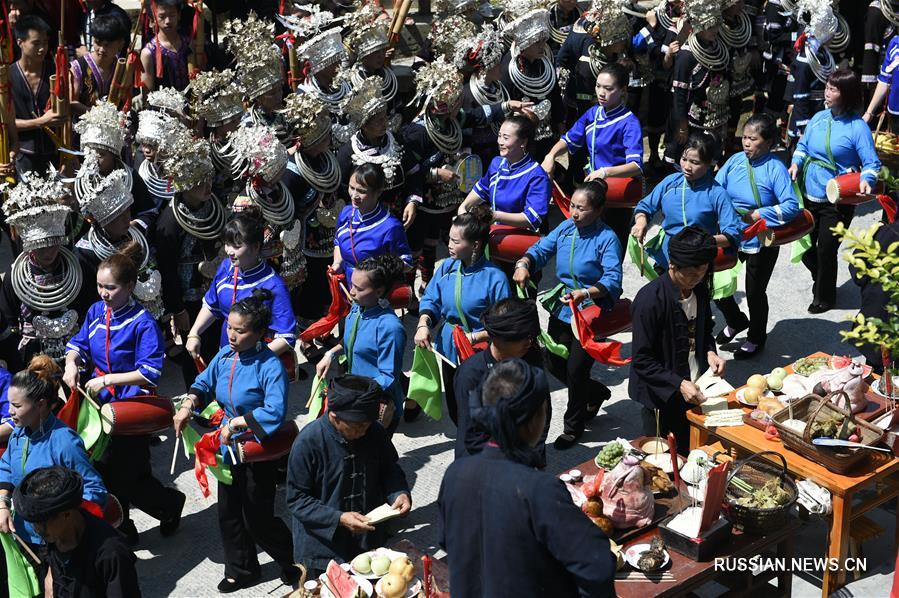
x=364 y=102
x=103 y=126
x=168 y=99
x=187 y=162
x=107 y=198
x=367 y=28
x=530 y=28
x=439 y=83
x=704 y=14
x=154 y=126
x=446 y=33
x=455 y=7
x=216 y=97
x=258 y=153
x=481 y=52
x=609 y=23
x=309 y=25
x=308 y=117
x=33 y=208
x=251 y=41
x=323 y=51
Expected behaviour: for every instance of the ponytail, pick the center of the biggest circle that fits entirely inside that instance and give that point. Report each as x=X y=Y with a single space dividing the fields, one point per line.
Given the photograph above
x=40 y=380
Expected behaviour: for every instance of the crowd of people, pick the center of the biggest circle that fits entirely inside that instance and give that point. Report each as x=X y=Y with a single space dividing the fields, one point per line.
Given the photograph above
x=235 y=204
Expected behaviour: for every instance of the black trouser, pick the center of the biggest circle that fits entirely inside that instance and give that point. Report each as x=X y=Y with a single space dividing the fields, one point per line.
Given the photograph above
x=246 y=511
x=671 y=419
x=315 y=295
x=449 y=391
x=821 y=258
x=126 y=471
x=575 y=373
x=759 y=267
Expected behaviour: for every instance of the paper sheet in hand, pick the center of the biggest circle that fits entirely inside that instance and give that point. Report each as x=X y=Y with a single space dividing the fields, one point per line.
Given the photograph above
x=712 y=385
x=382 y=513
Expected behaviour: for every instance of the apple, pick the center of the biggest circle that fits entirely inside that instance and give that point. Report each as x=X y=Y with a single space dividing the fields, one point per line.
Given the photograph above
x=774 y=382
x=380 y=565
x=362 y=564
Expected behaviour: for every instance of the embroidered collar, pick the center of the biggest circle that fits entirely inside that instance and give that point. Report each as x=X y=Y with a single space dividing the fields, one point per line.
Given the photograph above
x=244 y=274
x=125 y=310
x=520 y=164
x=378 y=212
x=616 y=111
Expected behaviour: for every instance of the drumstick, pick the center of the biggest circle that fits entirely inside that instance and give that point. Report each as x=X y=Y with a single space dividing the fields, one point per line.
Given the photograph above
x=441 y=357
x=345 y=291
x=231 y=452
x=174 y=455
x=27 y=549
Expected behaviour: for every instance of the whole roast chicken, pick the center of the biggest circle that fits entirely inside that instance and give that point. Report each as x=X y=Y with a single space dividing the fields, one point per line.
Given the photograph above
x=851 y=381
x=627 y=494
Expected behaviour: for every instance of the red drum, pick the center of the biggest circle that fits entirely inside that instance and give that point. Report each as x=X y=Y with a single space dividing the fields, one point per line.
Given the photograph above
x=508 y=243
x=624 y=192
x=796 y=228
x=724 y=261
x=610 y=321
x=113 y=514
x=276 y=445
x=844 y=189
x=400 y=296
x=137 y=416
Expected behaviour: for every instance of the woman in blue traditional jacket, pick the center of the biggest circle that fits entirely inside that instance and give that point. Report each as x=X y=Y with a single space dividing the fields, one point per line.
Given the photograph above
x=365 y=228
x=588 y=267
x=249 y=383
x=514 y=186
x=885 y=87
x=612 y=137
x=761 y=189
x=6 y=423
x=463 y=287
x=120 y=347
x=691 y=197
x=836 y=141
x=237 y=277
x=40 y=440
x=374 y=337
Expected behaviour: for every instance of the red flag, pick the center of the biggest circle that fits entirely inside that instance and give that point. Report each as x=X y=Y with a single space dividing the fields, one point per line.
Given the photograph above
x=206 y=449
x=607 y=352
x=463 y=345
x=339 y=309
x=889 y=207
x=561 y=200
x=754 y=229
x=92 y=508
x=69 y=412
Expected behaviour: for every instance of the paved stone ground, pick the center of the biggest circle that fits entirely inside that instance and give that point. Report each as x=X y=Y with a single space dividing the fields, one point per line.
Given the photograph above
x=190 y=563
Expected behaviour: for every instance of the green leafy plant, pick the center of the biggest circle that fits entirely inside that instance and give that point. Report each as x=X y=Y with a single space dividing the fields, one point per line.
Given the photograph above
x=890 y=182
x=881 y=266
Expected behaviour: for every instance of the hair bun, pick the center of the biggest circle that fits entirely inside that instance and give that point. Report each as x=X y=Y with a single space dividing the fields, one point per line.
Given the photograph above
x=262 y=295
x=45 y=368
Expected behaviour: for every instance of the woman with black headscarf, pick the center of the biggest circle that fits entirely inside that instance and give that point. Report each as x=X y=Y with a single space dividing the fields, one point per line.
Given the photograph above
x=548 y=547
x=672 y=337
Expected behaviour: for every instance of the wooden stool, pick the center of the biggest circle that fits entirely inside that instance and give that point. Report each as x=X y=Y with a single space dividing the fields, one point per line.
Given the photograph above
x=861 y=530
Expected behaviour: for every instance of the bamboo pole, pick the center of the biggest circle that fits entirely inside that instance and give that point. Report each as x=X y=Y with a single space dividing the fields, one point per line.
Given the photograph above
x=398 y=22
x=115 y=85
x=197 y=58
x=294 y=63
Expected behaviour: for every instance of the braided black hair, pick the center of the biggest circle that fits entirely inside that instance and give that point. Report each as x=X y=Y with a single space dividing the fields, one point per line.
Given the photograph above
x=383 y=271
x=255 y=309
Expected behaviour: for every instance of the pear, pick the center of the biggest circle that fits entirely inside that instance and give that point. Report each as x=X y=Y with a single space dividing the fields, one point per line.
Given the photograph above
x=362 y=564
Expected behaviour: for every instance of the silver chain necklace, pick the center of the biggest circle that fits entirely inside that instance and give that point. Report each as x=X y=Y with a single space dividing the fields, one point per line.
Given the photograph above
x=448 y=143
x=535 y=88
x=325 y=181
x=207 y=227
x=277 y=211
x=157 y=185
x=713 y=59
x=389 y=84
x=332 y=100
x=85 y=183
x=223 y=156
x=102 y=248
x=737 y=36
x=821 y=72
x=44 y=297
x=389 y=159
x=485 y=94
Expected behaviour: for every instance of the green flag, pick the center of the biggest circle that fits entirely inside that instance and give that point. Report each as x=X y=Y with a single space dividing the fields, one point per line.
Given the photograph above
x=316 y=398
x=20 y=576
x=424 y=383
x=724 y=283
x=799 y=246
x=638 y=255
x=545 y=339
x=221 y=472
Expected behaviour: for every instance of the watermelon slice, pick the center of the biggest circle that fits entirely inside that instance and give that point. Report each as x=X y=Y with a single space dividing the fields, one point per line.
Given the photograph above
x=838 y=362
x=341 y=583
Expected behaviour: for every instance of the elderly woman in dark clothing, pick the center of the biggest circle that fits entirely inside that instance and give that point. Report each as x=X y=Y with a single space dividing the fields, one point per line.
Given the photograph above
x=672 y=337
x=341 y=466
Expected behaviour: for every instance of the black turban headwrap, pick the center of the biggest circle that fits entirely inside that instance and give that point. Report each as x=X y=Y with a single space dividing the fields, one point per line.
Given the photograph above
x=355 y=398
x=41 y=508
x=518 y=323
x=503 y=419
x=692 y=246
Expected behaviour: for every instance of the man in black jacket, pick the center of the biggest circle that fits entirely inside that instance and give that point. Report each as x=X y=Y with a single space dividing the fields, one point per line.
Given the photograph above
x=672 y=337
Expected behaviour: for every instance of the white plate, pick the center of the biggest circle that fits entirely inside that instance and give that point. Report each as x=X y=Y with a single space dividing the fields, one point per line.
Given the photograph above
x=412 y=589
x=366 y=586
x=632 y=555
x=391 y=554
x=877 y=388
x=663 y=461
x=740 y=392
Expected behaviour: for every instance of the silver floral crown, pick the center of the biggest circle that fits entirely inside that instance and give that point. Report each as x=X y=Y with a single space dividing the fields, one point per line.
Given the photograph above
x=530 y=28
x=481 y=52
x=819 y=19
x=187 y=161
x=611 y=22
x=33 y=207
x=251 y=41
x=323 y=50
x=704 y=14
x=107 y=198
x=438 y=82
x=364 y=102
x=168 y=98
x=455 y=7
x=308 y=117
x=446 y=33
x=103 y=126
x=309 y=25
x=153 y=127
x=216 y=96
x=258 y=153
x=367 y=30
